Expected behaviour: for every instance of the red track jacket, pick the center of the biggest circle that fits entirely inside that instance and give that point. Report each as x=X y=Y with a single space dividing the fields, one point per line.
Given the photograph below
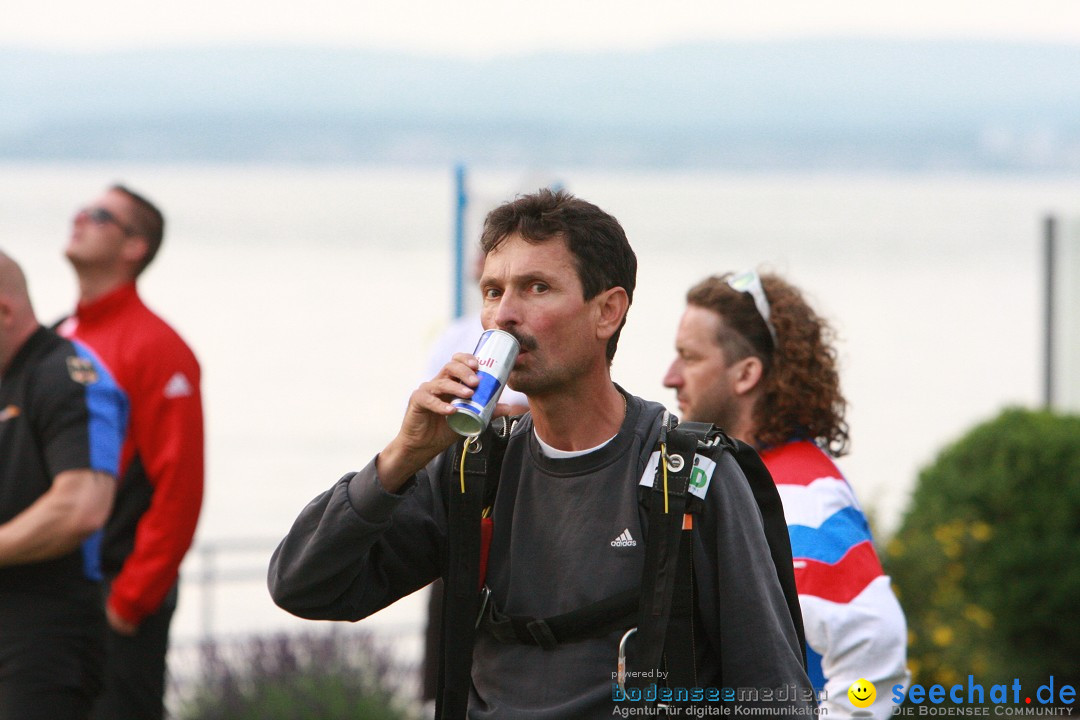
x=161 y=465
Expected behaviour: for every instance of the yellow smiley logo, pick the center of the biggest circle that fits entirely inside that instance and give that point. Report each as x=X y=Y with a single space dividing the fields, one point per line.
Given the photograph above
x=862 y=693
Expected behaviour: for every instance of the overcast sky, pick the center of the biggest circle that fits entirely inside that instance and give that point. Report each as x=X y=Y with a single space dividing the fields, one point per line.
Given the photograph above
x=485 y=28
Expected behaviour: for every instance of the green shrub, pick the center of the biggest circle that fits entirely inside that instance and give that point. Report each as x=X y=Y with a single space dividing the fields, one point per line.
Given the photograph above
x=987 y=558
x=326 y=676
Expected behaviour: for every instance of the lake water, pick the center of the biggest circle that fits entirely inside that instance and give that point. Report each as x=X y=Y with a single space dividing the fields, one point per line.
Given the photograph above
x=311 y=294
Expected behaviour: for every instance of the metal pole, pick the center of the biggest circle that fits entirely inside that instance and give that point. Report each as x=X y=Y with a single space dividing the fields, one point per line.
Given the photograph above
x=462 y=201
x=209 y=577
x=1049 y=256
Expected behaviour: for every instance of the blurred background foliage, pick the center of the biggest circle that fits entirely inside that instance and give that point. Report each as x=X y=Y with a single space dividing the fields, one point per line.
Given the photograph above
x=340 y=675
x=987 y=558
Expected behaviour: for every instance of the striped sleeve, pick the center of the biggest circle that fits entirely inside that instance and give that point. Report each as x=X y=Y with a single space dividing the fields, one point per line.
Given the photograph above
x=855 y=628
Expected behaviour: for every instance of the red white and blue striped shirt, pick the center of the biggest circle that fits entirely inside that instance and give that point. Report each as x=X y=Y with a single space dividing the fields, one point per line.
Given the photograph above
x=855 y=628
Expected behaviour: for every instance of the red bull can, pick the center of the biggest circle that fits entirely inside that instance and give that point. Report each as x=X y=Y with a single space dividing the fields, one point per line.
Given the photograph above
x=496 y=351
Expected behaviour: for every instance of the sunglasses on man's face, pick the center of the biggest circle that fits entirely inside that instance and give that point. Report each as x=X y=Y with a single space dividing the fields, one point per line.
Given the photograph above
x=100 y=216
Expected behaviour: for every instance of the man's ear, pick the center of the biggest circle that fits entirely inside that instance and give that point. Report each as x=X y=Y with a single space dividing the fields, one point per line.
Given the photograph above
x=135 y=249
x=612 y=305
x=748 y=374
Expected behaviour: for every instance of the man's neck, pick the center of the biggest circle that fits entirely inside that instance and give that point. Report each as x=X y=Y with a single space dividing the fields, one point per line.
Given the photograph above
x=18 y=338
x=744 y=428
x=579 y=419
x=94 y=285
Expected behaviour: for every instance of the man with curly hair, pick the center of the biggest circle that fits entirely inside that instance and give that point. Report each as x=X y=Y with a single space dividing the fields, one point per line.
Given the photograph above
x=755 y=359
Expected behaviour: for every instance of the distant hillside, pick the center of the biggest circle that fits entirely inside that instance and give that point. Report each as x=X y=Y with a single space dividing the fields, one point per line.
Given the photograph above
x=794 y=104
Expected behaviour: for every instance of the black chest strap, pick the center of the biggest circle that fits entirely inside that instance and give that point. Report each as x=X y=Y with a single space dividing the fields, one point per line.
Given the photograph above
x=597 y=619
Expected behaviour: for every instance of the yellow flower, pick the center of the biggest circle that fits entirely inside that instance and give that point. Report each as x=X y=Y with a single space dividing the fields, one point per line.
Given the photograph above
x=979 y=616
x=942 y=534
x=949 y=677
x=948 y=537
x=942 y=636
x=895 y=548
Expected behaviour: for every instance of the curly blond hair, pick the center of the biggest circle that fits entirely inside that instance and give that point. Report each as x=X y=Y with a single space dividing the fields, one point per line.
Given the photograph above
x=801 y=396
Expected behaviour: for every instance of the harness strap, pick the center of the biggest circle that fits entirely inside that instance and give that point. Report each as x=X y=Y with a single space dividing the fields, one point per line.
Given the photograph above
x=682 y=652
x=594 y=620
x=465 y=501
x=666 y=510
x=704 y=432
x=464 y=507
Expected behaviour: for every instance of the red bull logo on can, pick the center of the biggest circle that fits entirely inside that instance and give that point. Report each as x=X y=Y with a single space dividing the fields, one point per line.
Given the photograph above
x=496 y=352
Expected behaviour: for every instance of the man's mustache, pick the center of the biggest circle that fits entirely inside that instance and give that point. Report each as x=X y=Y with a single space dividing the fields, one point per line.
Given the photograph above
x=527 y=342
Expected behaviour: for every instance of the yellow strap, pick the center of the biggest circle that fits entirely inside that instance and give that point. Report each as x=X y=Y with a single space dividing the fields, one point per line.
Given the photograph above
x=464 y=450
x=663 y=462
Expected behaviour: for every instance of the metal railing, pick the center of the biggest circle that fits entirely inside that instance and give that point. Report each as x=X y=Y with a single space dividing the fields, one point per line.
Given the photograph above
x=212 y=564
x=209 y=571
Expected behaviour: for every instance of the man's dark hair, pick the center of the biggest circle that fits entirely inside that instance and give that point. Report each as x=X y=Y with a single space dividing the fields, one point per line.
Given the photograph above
x=148 y=223
x=802 y=397
x=602 y=255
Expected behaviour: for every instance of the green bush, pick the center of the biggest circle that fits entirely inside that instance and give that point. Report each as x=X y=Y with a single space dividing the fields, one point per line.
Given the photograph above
x=987 y=558
x=327 y=676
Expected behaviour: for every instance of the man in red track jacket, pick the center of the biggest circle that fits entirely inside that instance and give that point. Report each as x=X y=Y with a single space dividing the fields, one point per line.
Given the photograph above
x=161 y=467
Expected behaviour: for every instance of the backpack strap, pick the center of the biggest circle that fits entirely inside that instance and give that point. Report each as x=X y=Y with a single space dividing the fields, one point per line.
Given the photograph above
x=470 y=479
x=769 y=503
x=775 y=524
x=667 y=547
x=684 y=646
x=679 y=646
